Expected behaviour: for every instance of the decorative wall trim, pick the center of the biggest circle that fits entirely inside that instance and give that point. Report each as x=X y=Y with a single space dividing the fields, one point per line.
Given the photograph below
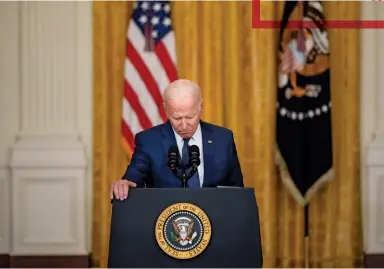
x=49 y=159
x=48 y=211
x=374 y=260
x=7 y=261
x=48 y=68
x=4 y=261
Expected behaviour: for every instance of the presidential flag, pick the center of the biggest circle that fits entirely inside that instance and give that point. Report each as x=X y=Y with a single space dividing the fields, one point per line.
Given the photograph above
x=304 y=130
x=150 y=66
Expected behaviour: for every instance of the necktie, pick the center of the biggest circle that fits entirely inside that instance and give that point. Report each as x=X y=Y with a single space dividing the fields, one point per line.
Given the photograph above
x=194 y=181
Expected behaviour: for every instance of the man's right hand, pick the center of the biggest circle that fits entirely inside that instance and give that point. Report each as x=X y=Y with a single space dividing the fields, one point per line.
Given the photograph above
x=120 y=188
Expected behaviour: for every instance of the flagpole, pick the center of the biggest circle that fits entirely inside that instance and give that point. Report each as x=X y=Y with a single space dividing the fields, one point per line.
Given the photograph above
x=306 y=235
x=301 y=46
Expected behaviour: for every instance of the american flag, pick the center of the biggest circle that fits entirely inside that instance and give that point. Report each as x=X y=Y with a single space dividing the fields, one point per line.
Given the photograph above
x=150 y=65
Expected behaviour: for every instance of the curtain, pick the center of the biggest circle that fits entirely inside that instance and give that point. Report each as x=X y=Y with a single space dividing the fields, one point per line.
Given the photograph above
x=236 y=68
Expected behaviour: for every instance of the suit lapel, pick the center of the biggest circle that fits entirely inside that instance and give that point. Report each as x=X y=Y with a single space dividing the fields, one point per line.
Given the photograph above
x=168 y=141
x=208 y=151
x=168 y=137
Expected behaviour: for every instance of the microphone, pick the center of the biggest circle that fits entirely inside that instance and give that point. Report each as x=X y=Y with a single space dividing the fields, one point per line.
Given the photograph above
x=174 y=162
x=173 y=158
x=194 y=156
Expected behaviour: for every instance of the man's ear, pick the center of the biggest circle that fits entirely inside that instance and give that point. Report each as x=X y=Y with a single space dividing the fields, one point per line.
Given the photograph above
x=165 y=108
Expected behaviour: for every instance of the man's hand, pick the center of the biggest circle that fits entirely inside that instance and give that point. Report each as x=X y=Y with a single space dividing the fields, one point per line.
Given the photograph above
x=120 y=188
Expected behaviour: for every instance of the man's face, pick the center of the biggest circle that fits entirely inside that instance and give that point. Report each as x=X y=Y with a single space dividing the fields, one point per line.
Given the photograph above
x=184 y=115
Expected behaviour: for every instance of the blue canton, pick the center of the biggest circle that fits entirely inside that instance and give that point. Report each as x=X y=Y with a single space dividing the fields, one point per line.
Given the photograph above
x=158 y=13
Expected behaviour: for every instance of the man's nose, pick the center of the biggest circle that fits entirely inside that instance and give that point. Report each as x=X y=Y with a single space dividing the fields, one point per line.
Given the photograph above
x=184 y=124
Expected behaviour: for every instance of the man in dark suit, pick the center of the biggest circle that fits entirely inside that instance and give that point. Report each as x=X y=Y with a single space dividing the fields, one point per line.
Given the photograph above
x=148 y=168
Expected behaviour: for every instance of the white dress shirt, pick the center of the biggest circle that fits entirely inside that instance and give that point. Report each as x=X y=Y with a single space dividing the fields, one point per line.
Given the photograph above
x=196 y=139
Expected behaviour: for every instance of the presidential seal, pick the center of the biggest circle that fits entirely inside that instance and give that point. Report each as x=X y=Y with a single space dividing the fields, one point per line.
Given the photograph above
x=183 y=231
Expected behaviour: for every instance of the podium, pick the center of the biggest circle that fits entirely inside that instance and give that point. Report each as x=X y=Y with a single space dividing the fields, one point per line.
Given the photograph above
x=176 y=227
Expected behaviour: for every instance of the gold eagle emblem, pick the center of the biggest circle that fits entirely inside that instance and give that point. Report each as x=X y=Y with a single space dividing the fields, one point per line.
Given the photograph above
x=183 y=232
x=304 y=51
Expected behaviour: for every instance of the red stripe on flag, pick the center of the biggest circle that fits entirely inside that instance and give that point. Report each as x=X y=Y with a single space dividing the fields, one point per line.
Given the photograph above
x=166 y=61
x=128 y=136
x=146 y=77
x=133 y=100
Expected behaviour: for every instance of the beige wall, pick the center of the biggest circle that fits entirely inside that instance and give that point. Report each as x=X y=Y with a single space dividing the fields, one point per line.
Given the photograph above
x=9 y=110
x=46 y=126
x=372 y=129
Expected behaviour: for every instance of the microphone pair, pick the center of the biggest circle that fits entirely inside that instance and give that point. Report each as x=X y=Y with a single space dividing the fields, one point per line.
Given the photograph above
x=174 y=160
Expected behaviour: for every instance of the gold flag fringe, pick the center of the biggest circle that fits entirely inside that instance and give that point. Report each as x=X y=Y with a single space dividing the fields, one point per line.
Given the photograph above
x=290 y=185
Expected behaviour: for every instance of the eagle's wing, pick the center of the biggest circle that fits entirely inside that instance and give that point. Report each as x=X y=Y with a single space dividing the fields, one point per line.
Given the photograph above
x=176 y=229
x=190 y=228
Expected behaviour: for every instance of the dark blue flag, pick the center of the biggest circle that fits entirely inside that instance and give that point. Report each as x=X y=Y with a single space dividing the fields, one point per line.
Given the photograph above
x=304 y=134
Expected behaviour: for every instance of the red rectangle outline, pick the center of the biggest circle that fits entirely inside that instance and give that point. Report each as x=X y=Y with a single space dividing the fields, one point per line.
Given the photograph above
x=257 y=23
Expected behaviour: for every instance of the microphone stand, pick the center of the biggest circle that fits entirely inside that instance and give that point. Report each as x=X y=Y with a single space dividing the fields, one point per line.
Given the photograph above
x=184 y=175
x=191 y=173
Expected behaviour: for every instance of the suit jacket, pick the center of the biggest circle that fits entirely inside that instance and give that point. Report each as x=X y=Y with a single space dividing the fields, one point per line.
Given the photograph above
x=148 y=167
